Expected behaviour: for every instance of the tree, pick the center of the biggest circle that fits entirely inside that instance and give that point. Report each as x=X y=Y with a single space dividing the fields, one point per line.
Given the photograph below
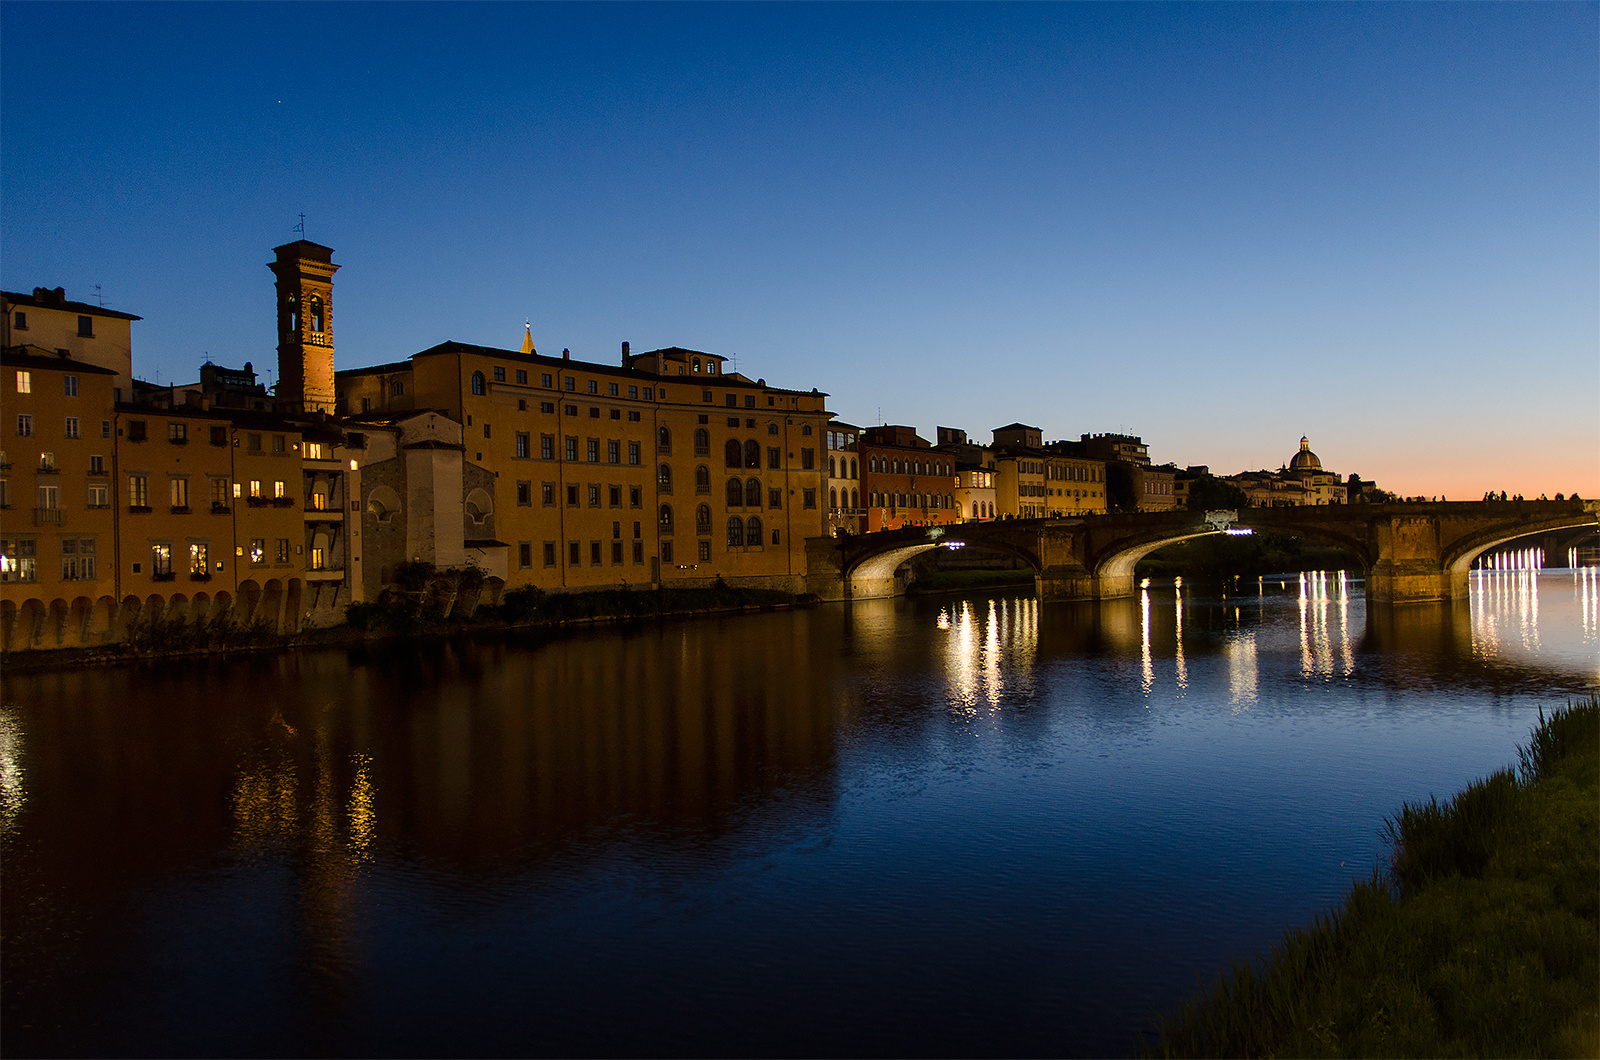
x=1209 y=493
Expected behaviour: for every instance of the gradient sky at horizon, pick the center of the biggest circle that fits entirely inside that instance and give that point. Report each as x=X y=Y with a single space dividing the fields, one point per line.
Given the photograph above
x=1218 y=226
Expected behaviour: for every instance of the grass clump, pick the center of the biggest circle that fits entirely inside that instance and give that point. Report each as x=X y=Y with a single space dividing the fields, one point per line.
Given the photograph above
x=1481 y=939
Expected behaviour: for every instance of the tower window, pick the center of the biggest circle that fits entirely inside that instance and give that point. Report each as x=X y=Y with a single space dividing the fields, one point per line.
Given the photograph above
x=317 y=320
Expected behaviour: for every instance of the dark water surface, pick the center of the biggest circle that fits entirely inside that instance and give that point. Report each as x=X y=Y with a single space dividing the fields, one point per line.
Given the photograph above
x=951 y=826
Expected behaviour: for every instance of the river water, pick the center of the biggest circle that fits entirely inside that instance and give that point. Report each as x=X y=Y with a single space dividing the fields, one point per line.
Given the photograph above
x=941 y=826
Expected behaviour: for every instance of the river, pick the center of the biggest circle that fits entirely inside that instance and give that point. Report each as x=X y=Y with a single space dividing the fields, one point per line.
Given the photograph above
x=941 y=826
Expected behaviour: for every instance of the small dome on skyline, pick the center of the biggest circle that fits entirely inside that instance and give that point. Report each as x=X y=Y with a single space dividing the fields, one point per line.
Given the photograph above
x=1305 y=459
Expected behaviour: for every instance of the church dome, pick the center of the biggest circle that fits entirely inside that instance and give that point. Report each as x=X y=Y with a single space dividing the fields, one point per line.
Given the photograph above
x=1305 y=459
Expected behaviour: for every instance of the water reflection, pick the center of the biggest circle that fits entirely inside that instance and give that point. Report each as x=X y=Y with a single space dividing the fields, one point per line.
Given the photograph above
x=740 y=831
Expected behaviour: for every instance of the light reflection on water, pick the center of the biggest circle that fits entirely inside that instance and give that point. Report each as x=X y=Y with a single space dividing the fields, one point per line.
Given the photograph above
x=977 y=825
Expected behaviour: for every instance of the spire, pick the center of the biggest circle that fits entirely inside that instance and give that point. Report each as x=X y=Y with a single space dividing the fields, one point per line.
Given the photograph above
x=527 y=337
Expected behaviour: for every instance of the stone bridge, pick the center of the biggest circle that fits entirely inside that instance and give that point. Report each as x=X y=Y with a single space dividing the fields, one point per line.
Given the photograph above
x=1410 y=552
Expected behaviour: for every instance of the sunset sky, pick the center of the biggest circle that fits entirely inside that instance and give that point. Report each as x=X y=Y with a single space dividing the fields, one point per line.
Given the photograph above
x=1216 y=226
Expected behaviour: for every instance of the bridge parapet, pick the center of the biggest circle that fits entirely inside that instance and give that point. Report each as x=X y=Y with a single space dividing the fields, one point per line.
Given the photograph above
x=1410 y=552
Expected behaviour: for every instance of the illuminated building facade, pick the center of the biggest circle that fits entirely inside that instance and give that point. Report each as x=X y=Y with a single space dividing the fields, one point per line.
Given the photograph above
x=904 y=481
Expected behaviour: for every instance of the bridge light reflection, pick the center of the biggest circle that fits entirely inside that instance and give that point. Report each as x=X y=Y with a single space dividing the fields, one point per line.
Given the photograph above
x=1325 y=647
x=989 y=654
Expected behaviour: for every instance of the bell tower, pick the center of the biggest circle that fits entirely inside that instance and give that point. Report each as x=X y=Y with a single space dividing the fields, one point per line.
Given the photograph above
x=305 y=326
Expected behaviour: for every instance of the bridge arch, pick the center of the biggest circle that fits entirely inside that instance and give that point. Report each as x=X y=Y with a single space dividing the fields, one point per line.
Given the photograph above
x=1459 y=558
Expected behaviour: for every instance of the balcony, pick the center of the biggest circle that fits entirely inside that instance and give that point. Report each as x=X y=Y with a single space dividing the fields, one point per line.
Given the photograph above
x=220 y=509
x=48 y=469
x=49 y=516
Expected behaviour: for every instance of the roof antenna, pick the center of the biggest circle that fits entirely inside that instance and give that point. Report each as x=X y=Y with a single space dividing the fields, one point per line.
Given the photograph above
x=301 y=227
x=100 y=296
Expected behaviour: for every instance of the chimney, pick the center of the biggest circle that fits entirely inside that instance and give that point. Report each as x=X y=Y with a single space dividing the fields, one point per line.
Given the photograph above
x=624 y=355
x=566 y=354
x=661 y=362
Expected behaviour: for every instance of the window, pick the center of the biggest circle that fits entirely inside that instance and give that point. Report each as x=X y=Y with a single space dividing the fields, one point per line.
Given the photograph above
x=635 y=497
x=547 y=494
x=808 y=459
x=396 y=388
x=572 y=495
x=547 y=406
x=594 y=412
x=258 y=551
x=664 y=478
x=252 y=442
x=523 y=438
x=279 y=444
x=522 y=376
x=255 y=488
x=772 y=428
x=478 y=387
x=808 y=499
x=486 y=429
x=702 y=442
x=634 y=453
x=752 y=493
x=549 y=553
x=774 y=458
x=524 y=494
x=664 y=518
x=735 y=531
x=571 y=447
x=85 y=327
x=613 y=451
x=752 y=532
x=283 y=550
x=160 y=559
x=705 y=551
x=316 y=451
x=633 y=392
x=547 y=447
x=702 y=519
x=524 y=554
x=614 y=496
x=734 y=493
x=219 y=493
x=731 y=400
x=499 y=374
x=569 y=383
x=633 y=416
x=105 y=428
x=278 y=490
x=139 y=491
x=594 y=387
x=612 y=389
x=199 y=559
x=594 y=548
x=69 y=385
x=752 y=453
x=50 y=498
x=666 y=552
x=775 y=498
x=178 y=491
x=702 y=478
x=705 y=395
x=21 y=319
x=649 y=394
x=775 y=537
x=178 y=433
x=77 y=559
x=616 y=552
x=806 y=430
x=19 y=559
x=72 y=427
x=99 y=495
x=616 y=414
x=731 y=453
x=593 y=450
x=594 y=495
x=545 y=379
x=24 y=425
x=574 y=549
x=750 y=403
x=664 y=440
x=219 y=435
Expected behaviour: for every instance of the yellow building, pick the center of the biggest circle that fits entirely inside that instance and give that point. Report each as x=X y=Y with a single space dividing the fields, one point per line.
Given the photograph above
x=663 y=469
x=88 y=334
x=57 y=528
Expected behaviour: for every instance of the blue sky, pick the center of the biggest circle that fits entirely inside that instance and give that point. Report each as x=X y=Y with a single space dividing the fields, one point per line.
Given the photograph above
x=1218 y=226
